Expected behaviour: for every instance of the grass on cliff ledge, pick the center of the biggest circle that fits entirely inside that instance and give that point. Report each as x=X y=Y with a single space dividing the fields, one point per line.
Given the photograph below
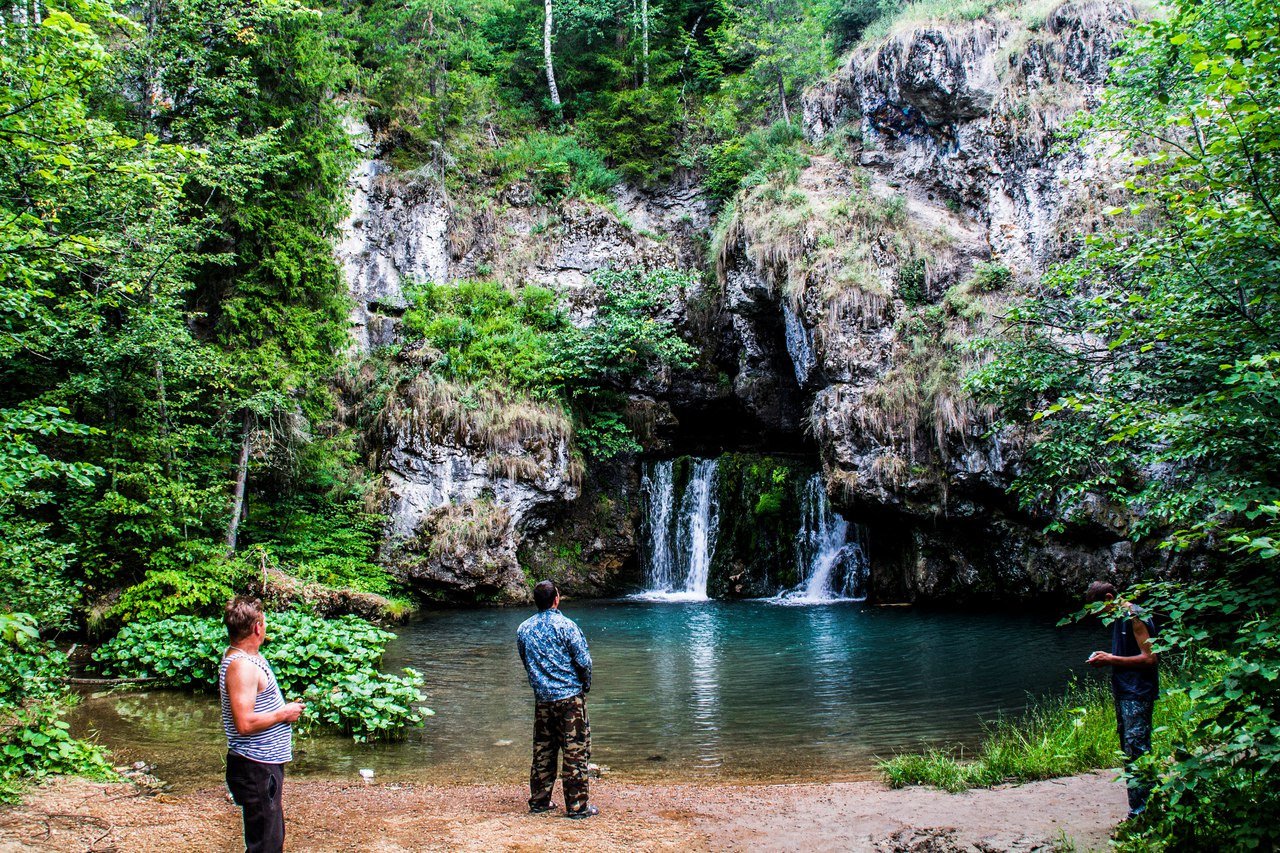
x=1057 y=737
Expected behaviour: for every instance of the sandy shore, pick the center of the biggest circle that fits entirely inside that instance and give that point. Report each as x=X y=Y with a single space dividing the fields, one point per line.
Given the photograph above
x=1075 y=813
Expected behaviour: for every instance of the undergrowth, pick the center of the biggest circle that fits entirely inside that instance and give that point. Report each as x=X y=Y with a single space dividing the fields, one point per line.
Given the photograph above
x=332 y=664
x=1056 y=737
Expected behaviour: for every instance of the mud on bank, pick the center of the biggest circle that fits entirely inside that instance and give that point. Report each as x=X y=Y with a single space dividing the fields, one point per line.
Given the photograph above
x=863 y=816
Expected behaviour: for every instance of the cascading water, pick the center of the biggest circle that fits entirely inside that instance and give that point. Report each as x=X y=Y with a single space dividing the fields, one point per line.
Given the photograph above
x=799 y=343
x=681 y=530
x=832 y=567
x=659 y=497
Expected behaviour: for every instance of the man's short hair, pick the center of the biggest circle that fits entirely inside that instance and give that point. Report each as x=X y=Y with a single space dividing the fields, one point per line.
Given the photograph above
x=1098 y=591
x=242 y=613
x=544 y=594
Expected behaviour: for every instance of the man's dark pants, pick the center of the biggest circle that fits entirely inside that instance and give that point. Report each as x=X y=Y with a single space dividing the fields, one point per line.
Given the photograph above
x=1133 y=724
x=560 y=727
x=256 y=789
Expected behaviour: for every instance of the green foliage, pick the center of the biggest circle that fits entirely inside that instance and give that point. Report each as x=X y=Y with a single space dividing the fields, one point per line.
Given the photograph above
x=1055 y=737
x=482 y=332
x=1150 y=369
x=912 y=282
x=190 y=577
x=637 y=129
x=557 y=167
x=34 y=739
x=770 y=501
x=331 y=663
x=989 y=276
x=749 y=160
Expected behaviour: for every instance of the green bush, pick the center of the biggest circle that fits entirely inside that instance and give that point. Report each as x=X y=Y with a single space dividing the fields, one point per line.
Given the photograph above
x=989 y=276
x=331 y=663
x=749 y=160
x=482 y=330
x=323 y=540
x=557 y=167
x=912 y=282
x=35 y=575
x=523 y=339
x=1055 y=737
x=637 y=130
x=34 y=739
x=194 y=576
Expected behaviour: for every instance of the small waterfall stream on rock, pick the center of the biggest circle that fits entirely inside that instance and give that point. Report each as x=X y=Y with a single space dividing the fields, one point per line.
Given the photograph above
x=832 y=567
x=681 y=530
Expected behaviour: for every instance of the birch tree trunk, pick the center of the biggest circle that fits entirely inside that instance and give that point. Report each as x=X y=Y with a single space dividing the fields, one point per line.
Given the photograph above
x=546 y=54
x=242 y=476
x=644 y=37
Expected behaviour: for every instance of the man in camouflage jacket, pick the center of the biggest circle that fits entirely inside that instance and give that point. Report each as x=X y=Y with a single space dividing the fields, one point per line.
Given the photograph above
x=555 y=656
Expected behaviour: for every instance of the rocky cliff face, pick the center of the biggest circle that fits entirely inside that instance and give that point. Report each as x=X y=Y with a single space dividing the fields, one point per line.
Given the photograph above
x=469 y=478
x=941 y=195
x=838 y=324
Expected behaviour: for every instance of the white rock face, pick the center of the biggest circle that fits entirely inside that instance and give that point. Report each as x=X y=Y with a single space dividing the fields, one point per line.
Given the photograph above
x=969 y=112
x=396 y=232
x=401 y=229
x=422 y=475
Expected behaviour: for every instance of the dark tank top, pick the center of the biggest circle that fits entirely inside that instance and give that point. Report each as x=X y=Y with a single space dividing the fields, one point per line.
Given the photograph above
x=1141 y=682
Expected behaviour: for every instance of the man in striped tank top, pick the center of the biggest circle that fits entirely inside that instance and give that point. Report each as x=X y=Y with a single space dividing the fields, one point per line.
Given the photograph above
x=256 y=720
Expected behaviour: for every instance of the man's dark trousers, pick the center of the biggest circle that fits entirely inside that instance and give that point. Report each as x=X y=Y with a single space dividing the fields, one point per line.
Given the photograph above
x=560 y=727
x=1133 y=725
x=256 y=789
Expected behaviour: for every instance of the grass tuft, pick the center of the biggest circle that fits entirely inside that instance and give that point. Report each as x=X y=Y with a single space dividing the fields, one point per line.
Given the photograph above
x=1055 y=737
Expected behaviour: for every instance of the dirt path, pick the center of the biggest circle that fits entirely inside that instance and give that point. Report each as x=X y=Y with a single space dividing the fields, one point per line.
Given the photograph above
x=1076 y=813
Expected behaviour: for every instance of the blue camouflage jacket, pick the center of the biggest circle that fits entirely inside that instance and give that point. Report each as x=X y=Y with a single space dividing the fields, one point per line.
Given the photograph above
x=555 y=656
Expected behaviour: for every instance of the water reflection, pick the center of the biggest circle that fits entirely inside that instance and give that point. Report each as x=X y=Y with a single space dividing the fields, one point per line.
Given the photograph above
x=704 y=682
x=723 y=690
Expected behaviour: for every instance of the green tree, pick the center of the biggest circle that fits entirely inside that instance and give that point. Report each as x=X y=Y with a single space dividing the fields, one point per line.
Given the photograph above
x=1150 y=369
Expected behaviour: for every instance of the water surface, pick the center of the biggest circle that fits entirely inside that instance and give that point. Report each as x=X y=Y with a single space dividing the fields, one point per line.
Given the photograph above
x=742 y=691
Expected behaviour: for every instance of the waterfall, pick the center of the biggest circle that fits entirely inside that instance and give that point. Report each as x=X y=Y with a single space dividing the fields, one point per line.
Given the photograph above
x=831 y=565
x=799 y=343
x=681 y=530
x=659 y=497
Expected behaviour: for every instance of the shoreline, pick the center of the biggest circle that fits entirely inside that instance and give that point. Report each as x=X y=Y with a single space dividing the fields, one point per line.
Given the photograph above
x=1077 y=812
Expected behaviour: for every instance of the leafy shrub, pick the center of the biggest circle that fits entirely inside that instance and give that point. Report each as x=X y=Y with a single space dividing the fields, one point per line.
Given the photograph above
x=990 y=276
x=483 y=330
x=34 y=739
x=34 y=572
x=747 y=161
x=194 y=576
x=637 y=128
x=557 y=167
x=912 y=282
x=523 y=338
x=331 y=662
x=323 y=540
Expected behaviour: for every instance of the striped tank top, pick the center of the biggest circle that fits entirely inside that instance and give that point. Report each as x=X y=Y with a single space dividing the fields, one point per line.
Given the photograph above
x=272 y=746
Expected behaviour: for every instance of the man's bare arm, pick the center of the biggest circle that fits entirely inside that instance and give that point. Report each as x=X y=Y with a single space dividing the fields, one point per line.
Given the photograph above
x=242 y=691
x=1147 y=658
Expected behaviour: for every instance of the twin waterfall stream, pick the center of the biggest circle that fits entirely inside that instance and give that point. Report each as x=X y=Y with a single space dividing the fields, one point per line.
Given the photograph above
x=683 y=522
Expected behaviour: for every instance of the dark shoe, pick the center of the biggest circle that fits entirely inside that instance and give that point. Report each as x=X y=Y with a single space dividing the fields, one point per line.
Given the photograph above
x=589 y=811
x=549 y=807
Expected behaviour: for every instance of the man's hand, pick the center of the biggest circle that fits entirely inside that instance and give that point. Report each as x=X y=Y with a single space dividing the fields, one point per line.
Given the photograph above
x=1100 y=659
x=291 y=712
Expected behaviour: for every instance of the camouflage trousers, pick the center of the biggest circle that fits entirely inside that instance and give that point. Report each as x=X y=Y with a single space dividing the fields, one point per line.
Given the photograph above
x=560 y=727
x=1133 y=725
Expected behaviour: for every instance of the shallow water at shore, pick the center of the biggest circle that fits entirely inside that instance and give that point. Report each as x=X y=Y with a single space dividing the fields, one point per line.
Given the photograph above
x=714 y=691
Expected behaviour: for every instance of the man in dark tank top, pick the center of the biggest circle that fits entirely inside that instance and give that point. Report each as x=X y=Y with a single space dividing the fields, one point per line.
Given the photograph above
x=1135 y=679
